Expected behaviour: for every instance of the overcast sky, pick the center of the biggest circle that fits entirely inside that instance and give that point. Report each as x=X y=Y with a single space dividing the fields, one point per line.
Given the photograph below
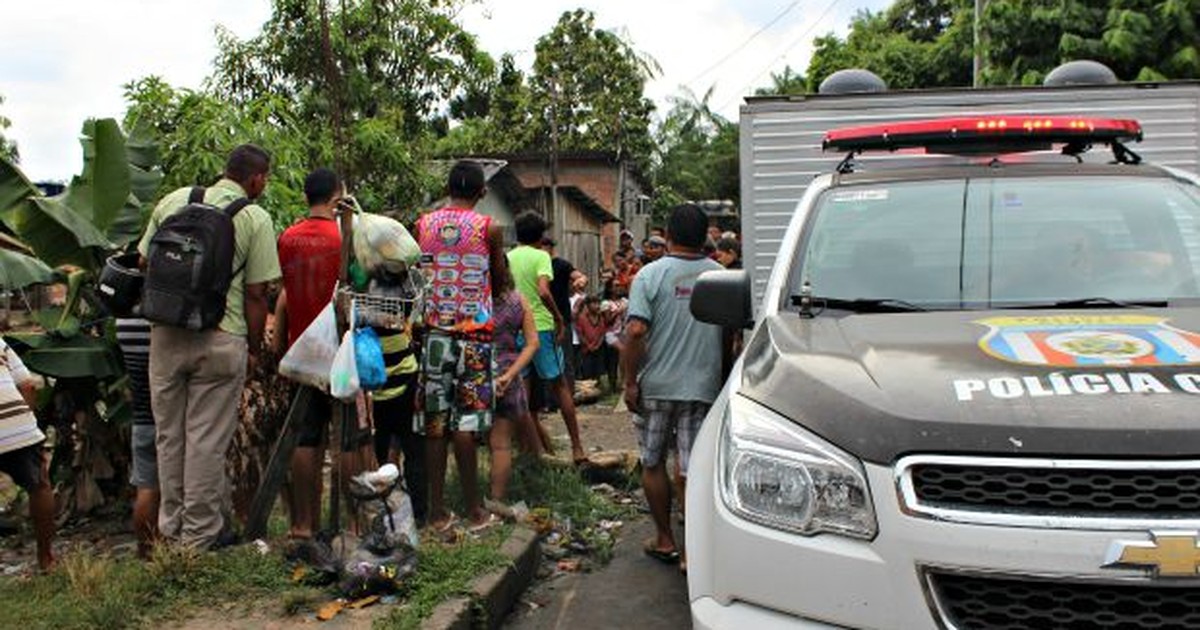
x=62 y=61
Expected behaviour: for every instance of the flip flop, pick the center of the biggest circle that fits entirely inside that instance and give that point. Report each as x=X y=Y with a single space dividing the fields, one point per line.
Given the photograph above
x=662 y=555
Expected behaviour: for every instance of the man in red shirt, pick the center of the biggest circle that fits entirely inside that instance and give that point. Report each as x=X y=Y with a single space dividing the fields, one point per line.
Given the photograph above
x=309 y=255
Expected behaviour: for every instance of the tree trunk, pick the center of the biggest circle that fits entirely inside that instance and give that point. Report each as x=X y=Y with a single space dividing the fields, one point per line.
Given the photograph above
x=263 y=408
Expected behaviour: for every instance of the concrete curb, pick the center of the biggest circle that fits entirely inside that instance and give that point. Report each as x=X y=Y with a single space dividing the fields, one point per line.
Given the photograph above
x=493 y=594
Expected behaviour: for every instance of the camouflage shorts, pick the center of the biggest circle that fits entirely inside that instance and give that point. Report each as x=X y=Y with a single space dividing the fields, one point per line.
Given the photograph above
x=455 y=390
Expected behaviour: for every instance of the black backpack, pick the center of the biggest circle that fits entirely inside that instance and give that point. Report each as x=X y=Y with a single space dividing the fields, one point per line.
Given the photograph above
x=189 y=265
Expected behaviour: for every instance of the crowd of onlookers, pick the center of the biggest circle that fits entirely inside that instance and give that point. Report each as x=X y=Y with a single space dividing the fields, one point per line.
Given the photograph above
x=598 y=314
x=503 y=334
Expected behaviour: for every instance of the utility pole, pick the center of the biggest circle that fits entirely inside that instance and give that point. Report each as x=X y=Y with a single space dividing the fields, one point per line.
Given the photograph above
x=345 y=415
x=977 y=61
x=555 y=210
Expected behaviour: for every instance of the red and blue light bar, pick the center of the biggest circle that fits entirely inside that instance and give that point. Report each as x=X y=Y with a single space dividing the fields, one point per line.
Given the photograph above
x=949 y=135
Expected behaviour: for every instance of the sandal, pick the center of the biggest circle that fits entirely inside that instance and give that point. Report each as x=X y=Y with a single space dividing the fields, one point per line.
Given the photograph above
x=491 y=521
x=451 y=523
x=662 y=555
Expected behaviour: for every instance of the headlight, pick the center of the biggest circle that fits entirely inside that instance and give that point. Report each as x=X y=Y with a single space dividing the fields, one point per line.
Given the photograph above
x=777 y=474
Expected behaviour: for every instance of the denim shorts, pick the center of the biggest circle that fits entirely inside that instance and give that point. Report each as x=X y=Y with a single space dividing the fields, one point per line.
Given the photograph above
x=144 y=471
x=548 y=361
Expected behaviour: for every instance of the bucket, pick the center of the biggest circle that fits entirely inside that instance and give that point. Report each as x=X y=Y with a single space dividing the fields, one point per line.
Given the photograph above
x=120 y=285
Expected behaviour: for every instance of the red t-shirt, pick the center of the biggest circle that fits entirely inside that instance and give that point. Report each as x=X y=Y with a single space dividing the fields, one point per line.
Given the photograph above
x=591 y=333
x=310 y=255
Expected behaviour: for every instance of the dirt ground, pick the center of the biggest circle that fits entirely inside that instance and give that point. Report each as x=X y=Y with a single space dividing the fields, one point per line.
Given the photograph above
x=603 y=426
x=106 y=531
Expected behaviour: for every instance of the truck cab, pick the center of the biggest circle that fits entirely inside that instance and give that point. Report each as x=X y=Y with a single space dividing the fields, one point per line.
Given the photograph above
x=967 y=398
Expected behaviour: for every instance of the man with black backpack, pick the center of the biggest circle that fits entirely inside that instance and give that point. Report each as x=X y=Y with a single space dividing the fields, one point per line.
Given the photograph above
x=209 y=255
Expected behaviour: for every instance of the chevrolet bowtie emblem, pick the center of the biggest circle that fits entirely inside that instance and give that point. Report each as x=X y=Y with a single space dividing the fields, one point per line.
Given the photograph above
x=1168 y=554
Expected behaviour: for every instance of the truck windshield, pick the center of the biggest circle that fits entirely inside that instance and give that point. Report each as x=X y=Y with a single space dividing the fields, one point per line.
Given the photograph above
x=1005 y=241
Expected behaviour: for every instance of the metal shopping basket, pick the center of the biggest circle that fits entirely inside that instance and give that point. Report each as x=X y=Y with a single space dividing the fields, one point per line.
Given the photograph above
x=395 y=312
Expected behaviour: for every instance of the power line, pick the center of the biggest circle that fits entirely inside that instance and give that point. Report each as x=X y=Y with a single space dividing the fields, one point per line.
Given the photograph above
x=742 y=46
x=766 y=68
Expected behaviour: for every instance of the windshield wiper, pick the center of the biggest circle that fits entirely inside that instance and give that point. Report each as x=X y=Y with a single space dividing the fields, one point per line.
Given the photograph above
x=859 y=305
x=1094 y=302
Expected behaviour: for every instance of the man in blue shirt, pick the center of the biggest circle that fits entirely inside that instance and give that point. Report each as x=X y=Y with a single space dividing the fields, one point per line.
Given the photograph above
x=672 y=365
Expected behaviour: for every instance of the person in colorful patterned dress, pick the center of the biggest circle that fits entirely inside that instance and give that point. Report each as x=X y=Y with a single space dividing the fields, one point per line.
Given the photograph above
x=512 y=317
x=459 y=248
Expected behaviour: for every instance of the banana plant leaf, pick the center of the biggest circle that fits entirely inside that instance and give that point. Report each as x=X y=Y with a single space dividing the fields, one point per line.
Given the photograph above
x=145 y=174
x=56 y=234
x=18 y=271
x=104 y=192
x=77 y=357
x=100 y=210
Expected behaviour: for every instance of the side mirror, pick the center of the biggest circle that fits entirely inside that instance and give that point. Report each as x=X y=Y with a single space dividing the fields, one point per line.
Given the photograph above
x=723 y=298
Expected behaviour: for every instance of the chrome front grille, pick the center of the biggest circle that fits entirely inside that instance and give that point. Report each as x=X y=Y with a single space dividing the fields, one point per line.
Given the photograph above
x=1111 y=494
x=1000 y=603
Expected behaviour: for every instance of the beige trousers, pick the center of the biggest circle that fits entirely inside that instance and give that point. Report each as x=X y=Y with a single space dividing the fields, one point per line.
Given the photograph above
x=196 y=381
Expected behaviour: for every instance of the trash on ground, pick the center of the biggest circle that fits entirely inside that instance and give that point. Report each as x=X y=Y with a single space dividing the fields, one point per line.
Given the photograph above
x=364 y=602
x=329 y=610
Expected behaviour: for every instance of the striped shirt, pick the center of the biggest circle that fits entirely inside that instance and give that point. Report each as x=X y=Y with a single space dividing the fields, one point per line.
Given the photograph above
x=400 y=360
x=133 y=336
x=18 y=426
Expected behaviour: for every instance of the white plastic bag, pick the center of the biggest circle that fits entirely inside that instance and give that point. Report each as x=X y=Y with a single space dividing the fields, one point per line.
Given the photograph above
x=310 y=359
x=379 y=240
x=343 y=376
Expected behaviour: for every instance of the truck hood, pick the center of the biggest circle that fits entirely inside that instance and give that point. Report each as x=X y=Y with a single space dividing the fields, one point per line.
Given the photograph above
x=1121 y=383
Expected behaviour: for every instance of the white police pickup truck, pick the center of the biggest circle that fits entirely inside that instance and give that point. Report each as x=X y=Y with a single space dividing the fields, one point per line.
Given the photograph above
x=971 y=398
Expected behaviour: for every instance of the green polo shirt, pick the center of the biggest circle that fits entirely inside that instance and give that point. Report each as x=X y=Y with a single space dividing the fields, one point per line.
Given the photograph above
x=254 y=245
x=527 y=265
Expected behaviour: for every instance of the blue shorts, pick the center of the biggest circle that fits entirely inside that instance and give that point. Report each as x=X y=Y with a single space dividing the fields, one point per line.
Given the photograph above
x=548 y=362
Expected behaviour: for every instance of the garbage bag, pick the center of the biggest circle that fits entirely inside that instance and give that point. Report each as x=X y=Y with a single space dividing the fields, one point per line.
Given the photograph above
x=387 y=507
x=343 y=375
x=368 y=356
x=310 y=358
x=381 y=241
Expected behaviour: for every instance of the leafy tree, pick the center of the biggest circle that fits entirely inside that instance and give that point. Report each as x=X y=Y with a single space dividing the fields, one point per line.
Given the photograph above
x=787 y=82
x=592 y=82
x=929 y=43
x=587 y=83
x=912 y=44
x=500 y=121
x=697 y=155
x=196 y=130
x=8 y=148
x=1143 y=40
x=381 y=70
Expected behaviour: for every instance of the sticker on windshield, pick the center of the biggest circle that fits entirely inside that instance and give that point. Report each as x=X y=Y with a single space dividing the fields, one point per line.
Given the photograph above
x=1089 y=340
x=851 y=196
x=1011 y=200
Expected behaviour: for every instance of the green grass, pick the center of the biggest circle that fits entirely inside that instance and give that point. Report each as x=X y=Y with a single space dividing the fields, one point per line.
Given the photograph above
x=89 y=591
x=557 y=488
x=97 y=591
x=563 y=491
x=443 y=572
